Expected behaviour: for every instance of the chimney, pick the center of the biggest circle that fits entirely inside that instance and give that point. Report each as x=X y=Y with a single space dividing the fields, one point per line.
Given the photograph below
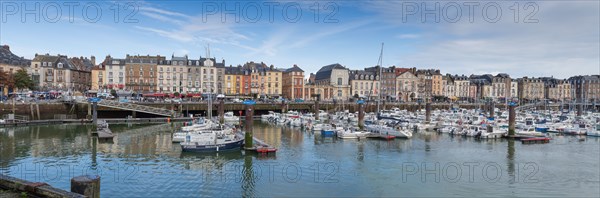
x=6 y=47
x=93 y=60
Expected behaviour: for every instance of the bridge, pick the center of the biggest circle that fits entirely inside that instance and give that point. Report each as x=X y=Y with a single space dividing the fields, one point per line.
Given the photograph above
x=530 y=105
x=133 y=107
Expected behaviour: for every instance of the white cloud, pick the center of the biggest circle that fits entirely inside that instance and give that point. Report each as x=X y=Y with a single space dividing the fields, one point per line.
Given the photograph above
x=192 y=29
x=563 y=43
x=408 y=36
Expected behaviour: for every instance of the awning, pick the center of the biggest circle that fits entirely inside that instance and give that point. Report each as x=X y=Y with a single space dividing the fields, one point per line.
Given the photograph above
x=192 y=94
x=154 y=95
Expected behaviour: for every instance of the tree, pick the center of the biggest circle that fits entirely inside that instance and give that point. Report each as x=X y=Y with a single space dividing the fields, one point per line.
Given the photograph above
x=5 y=81
x=22 y=80
x=176 y=94
x=113 y=93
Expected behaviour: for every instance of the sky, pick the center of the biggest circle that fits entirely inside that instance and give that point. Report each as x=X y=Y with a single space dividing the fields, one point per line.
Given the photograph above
x=521 y=38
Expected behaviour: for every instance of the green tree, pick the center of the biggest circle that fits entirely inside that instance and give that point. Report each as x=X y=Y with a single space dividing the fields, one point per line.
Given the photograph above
x=176 y=94
x=22 y=80
x=113 y=93
x=5 y=81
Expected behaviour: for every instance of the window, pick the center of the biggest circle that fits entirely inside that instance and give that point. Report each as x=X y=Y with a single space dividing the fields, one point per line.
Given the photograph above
x=339 y=81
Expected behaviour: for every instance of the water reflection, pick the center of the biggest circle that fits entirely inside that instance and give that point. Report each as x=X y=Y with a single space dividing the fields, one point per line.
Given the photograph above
x=248 y=180
x=373 y=167
x=510 y=156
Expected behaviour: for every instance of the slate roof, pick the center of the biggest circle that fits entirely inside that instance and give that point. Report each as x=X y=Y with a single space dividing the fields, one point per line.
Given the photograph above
x=325 y=71
x=362 y=75
x=234 y=70
x=294 y=68
x=46 y=58
x=7 y=57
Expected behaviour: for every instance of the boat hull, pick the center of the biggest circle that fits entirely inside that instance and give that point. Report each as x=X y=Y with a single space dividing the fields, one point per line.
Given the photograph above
x=235 y=145
x=328 y=133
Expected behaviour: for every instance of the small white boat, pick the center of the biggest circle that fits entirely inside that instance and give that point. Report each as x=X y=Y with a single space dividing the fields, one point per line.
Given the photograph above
x=594 y=132
x=351 y=134
x=495 y=134
x=474 y=130
x=229 y=117
x=530 y=131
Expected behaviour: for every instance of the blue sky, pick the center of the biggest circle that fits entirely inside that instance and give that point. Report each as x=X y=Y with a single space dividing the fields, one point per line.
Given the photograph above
x=545 y=38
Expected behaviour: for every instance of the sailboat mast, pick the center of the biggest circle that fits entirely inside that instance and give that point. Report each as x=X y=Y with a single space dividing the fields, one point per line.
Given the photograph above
x=210 y=87
x=380 y=63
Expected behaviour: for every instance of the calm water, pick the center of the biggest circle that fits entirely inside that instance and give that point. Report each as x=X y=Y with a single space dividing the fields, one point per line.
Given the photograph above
x=142 y=162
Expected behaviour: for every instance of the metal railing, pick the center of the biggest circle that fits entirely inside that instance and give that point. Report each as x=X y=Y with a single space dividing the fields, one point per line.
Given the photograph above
x=11 y=118
x=134 y=107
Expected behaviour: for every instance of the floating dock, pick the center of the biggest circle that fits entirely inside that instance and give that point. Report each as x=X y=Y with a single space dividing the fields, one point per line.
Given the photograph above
x=540 y=140
x=261 y=147
x=103 y=132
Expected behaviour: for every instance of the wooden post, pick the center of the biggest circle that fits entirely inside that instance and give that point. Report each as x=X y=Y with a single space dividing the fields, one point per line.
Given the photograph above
x=492 y=107
x=511 y=120
x=95 y=113
x=361 y=115
x=427 y=112
x=31 y=109
x=316 y=109
x=88 y=185
x=89 y=112
x=248 y=128
x=221 y=109
x=37 y=108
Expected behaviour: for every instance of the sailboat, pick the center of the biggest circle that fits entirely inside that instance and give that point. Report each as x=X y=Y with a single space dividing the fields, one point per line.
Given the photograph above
x=383 y=128
x=213 y=139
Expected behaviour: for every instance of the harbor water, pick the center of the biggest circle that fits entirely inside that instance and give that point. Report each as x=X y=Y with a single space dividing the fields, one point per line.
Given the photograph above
x=143 y=162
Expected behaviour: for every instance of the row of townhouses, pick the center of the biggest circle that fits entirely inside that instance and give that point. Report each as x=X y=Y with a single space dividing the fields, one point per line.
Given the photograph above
x=160 y=74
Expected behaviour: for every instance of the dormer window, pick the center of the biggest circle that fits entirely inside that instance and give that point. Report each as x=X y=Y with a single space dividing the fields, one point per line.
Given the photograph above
x=60 y=65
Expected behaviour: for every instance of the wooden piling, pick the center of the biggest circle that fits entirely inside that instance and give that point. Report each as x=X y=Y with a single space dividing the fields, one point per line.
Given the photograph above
x=95 y=113
x=427 y=112
x=248 y=141
x=88 y=185
x=316 y=109
x=221 y=109
x=361 y=115
x=511 y=120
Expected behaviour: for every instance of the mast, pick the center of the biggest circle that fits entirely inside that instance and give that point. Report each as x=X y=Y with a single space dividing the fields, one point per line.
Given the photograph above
x=209 y=85
x=380 y=63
